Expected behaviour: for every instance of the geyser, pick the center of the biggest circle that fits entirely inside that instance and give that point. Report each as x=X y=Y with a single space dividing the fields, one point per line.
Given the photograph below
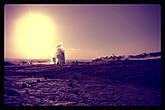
x=60 y=55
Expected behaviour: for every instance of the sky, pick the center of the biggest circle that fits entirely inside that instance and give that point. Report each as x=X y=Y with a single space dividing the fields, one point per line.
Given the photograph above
x=86 y=31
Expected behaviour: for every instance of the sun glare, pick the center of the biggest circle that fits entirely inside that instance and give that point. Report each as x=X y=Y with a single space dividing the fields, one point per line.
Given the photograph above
x=34 y=36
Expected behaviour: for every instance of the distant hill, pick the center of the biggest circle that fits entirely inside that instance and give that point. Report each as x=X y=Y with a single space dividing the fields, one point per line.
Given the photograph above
x=143 y=56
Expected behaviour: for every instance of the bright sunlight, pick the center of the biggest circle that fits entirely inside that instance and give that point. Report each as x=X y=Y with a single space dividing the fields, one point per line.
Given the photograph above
x=34 y=36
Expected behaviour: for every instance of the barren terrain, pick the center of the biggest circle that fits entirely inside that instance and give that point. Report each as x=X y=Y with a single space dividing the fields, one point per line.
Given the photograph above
x=135 y=83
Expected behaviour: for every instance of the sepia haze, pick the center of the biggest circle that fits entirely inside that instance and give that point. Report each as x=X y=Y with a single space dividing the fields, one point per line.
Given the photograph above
x=87 y=31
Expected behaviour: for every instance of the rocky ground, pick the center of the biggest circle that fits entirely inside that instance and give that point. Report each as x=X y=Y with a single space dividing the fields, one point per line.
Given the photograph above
x=135 y=84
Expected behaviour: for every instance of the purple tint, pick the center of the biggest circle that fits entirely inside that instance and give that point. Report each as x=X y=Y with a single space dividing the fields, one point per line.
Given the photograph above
x=101 y=29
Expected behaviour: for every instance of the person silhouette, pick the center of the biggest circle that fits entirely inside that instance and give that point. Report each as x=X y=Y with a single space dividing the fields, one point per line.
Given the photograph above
x=76 y=63
x=54 y=60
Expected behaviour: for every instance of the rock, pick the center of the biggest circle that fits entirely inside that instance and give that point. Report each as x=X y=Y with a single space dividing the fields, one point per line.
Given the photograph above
x=75 y=78
x=26 y=92
x=71 y=84
x=24 y=85
x=38 y=80
x=45 y=77
x=76 y=92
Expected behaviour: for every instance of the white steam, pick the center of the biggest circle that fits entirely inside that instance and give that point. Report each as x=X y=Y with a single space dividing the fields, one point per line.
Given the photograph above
x=60 y=54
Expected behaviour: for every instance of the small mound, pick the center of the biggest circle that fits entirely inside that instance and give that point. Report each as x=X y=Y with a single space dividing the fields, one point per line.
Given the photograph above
x=8 y=63
x=11 y=92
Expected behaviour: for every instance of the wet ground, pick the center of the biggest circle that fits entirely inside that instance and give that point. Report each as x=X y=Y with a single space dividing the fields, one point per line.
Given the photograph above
x=85 y=85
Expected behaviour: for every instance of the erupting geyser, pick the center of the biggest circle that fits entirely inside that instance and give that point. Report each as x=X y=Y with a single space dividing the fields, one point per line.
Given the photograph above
x=60 y=55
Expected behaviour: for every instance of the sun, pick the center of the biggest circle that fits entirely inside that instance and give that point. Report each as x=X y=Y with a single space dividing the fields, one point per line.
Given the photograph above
x=34 y=36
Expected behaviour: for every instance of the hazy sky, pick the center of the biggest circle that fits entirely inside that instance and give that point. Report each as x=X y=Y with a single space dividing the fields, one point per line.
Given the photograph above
x=87 y=31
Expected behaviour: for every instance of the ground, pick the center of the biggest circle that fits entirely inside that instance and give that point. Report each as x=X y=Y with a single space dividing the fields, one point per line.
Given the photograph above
x=126 y=84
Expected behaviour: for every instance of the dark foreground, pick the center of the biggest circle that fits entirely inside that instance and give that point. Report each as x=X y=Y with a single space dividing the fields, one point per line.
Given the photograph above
x=129 y=84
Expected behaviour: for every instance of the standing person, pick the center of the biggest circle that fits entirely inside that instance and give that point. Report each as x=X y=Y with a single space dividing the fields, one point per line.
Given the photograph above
x=76 y=63
x=54 y=60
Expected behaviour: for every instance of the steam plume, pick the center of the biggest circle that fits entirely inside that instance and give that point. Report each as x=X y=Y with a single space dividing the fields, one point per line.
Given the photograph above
x=60 y=55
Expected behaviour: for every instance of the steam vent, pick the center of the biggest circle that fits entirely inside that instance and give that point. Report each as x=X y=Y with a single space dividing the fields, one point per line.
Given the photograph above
x=60 y=56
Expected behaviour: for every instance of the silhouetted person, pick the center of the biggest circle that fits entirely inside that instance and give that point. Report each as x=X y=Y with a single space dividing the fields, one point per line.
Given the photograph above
x=54 y=60
x=76 y=63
